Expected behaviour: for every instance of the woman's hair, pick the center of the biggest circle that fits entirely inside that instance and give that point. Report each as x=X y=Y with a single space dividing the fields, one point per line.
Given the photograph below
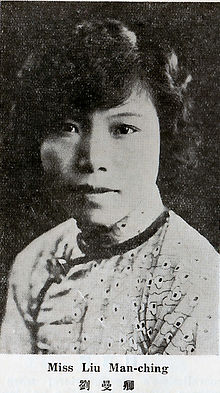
x=94 y=65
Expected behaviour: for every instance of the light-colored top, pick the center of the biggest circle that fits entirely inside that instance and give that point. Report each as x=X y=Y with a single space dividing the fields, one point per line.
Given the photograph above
x=160 y=298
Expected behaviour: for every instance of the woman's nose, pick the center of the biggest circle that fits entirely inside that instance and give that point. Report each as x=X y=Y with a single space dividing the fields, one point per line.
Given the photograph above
x=91 y=155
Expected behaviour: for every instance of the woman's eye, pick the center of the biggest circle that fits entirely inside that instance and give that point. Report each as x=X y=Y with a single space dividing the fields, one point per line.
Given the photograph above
x=70 y=128
x=123 y=129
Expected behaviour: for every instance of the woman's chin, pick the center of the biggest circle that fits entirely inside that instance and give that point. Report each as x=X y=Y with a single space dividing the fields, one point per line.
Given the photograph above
x=99 y=217
x=99 y=210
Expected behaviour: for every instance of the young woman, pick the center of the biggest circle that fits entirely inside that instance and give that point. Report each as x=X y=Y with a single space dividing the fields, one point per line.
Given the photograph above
x=123 y=274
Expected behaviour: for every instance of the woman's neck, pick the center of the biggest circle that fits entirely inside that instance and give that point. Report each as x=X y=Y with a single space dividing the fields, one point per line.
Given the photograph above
x=129 y=226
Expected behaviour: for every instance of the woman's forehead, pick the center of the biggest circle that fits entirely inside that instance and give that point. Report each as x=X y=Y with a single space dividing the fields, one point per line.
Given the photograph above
x=138 y=96
x=136 y=104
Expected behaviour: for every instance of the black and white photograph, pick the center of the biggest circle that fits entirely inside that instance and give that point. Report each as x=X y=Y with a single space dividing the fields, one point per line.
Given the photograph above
x=109 y=165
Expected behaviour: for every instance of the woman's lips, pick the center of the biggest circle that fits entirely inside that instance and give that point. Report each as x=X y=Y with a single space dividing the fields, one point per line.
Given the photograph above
x=88 y=189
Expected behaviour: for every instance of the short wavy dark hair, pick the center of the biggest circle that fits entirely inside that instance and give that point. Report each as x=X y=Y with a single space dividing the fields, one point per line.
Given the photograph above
x=94 y=65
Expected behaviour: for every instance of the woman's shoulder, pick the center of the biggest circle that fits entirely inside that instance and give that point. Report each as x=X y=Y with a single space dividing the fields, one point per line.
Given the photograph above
x=183 y=240
x=30 y=265
x=192 y=253
x=196 y=261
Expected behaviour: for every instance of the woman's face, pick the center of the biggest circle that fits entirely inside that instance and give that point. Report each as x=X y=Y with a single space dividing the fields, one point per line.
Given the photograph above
x=101 y=166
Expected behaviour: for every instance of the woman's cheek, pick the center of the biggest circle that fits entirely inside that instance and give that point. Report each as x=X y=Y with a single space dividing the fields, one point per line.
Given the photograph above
x=144 y=155
x=55 y=157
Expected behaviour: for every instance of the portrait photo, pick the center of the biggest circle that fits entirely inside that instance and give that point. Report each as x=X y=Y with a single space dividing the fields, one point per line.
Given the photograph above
x=109 y=178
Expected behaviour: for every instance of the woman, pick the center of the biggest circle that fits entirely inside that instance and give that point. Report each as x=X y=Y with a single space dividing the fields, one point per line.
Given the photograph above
x=122 y=274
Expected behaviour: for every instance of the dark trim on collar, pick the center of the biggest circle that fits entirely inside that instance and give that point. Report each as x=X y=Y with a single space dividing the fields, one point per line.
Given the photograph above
x=121 y=248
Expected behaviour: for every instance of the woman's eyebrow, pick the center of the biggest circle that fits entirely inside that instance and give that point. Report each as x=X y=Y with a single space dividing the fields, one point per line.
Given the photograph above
x=123 y=114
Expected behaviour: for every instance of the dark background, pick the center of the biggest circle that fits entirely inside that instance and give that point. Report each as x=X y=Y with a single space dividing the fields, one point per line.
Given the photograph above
x=192 y=29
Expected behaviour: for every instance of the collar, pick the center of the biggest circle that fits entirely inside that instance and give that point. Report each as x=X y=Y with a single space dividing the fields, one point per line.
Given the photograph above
x=100 y=250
